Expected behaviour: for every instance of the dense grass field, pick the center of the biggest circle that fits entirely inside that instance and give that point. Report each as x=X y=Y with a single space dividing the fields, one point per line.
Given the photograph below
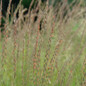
x=52 y=56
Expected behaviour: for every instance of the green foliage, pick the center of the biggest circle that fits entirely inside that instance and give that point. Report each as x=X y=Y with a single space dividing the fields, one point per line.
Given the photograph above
x=26 y=3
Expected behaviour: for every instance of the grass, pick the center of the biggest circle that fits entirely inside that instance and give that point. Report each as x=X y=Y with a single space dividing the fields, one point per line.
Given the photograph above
x=54 y=56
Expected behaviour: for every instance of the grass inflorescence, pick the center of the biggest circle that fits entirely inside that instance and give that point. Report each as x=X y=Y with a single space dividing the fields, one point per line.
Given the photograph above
x=54 y=55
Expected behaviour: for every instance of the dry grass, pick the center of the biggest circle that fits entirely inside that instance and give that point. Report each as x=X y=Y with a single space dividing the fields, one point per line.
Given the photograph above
x=54 y=56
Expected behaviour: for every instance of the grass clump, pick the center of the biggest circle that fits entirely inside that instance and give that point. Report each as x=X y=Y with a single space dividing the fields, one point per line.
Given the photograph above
x=52 y=56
